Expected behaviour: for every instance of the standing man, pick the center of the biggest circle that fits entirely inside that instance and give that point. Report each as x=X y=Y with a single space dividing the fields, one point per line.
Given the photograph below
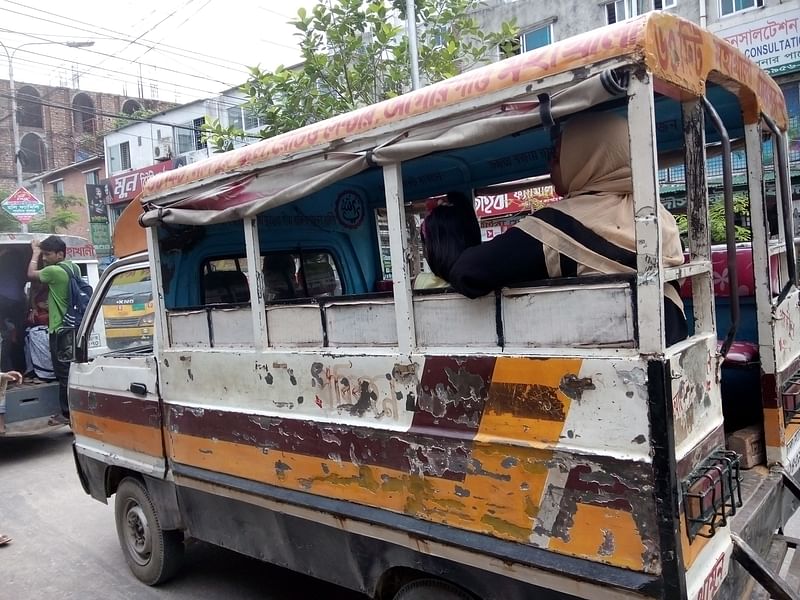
x=53 y=250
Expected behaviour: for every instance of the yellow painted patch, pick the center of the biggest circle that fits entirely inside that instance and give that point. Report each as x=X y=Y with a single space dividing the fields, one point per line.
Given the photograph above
x=773 y=428
x=604 y=535
x=139 y=438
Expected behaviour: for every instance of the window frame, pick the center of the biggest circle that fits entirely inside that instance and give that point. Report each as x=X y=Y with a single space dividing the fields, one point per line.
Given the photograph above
x=734 y=10
x=630 y=7
x=544 y=26
x=57 y=187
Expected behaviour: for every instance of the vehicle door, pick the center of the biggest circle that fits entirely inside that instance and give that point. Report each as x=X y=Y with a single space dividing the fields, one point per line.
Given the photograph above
x=114 y=400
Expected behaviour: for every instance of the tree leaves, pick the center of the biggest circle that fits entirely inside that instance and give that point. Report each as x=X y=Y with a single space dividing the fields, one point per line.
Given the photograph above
x=355 y=53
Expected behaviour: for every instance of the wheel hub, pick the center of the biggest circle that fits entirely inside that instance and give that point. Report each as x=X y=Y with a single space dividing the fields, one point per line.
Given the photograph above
x=137 y=534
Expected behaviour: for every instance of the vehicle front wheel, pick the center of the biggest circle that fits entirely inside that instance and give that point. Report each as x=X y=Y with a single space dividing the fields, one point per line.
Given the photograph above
x=431 y=589
x=154 y=555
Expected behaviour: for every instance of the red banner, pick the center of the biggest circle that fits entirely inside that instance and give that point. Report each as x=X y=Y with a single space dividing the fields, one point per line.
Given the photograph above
x=126 y=186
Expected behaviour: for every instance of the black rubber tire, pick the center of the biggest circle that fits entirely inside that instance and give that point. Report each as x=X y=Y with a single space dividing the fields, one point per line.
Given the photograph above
x=153 y=555
x=431 y=589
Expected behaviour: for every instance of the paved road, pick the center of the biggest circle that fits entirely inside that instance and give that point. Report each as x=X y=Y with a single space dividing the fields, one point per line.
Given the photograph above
x=65 y=544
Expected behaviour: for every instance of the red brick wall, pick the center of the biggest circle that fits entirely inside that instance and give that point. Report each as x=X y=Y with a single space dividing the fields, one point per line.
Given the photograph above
x=58 y=133
x=74 y=185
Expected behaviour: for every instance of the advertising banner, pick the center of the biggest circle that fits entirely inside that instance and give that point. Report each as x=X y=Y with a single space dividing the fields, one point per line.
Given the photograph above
x=772 y=42
x=96 y=202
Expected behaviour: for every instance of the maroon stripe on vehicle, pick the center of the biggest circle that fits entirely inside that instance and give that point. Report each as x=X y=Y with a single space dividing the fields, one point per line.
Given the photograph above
x=711 y=442
x=127 y=409
x=441 y=456
x=452 y=394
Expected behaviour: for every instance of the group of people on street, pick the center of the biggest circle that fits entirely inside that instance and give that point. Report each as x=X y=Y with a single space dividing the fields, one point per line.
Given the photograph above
x=28 y=323
x=46 y=305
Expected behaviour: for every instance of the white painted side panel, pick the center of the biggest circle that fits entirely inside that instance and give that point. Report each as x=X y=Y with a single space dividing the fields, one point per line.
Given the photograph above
x=232 y=326
x=114 y=374
x=295 y=326
x=370 y=391
x=696 y=402
x=786 y=323
x=189 y=328
x=536 y=317
x=453 y=319
x=608 y=410
x=367 y=323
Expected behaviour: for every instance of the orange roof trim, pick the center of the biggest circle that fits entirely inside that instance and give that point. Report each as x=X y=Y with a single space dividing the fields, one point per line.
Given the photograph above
x=676 y=51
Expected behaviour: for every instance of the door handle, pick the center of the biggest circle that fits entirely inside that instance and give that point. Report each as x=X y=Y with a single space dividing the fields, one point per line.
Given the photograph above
x=139 y=389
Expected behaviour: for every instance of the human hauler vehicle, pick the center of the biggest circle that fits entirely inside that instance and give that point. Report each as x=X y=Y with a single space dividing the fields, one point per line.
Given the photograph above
x=543 y=441
x=29 y=407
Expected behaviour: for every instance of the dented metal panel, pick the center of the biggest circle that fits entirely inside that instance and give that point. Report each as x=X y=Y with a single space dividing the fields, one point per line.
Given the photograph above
x=296 y=325
x=508 y=447
x=696 y=402
x=440 y=321
x=189 y=328
x=534 y=317
x=232 y=326
x=361 y=323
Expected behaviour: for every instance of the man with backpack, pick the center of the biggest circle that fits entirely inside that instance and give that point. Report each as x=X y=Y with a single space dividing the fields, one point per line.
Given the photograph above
x=58 y=274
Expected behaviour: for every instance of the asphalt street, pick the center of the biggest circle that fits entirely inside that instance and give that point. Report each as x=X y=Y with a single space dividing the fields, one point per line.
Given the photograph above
x=65 y=543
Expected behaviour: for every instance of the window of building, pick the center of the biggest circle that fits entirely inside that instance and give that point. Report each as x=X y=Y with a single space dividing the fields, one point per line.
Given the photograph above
x=29 y=107
x=83 y=115
x=32 y=153
x=235 y=118
x=661 y=4
x=536 y=38
x=619 y=10
x=92 y=177
x=190 y=136
x=58 y=187
x=527 y=41
x=729 y=7
x=252 y=120
x=120 y=155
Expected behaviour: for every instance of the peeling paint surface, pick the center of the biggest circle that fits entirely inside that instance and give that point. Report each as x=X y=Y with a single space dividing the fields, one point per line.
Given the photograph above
x=548 y=452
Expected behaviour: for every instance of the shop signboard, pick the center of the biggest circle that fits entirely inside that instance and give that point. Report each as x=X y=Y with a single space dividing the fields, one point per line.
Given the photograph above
x=771 y=41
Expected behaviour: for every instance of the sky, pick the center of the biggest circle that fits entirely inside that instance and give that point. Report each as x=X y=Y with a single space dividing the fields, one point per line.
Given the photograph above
x=171 y=50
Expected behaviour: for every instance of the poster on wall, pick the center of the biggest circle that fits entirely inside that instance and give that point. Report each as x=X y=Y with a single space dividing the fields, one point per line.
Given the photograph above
x=97 y=202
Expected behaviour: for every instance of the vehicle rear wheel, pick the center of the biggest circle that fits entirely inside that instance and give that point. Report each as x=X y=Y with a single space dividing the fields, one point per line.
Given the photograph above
x=431 y=589
x=154 y=555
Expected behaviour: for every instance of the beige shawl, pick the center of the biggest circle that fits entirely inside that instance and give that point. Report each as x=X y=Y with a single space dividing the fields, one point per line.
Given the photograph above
x=595 y=169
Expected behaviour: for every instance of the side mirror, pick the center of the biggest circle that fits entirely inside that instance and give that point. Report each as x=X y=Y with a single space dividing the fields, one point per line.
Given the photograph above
x=65 y=344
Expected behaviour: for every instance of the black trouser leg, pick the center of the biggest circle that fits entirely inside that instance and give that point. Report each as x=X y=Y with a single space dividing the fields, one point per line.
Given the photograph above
x=61 y=370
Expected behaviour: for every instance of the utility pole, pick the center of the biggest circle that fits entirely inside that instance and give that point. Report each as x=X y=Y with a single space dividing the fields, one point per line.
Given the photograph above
x=13 y=92
x=411 y=18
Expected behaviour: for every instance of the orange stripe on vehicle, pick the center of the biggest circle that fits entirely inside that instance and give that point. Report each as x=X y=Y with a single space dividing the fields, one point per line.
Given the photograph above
x=603 y=534
x=773 y=428
x=139 y=438
x=498 y=497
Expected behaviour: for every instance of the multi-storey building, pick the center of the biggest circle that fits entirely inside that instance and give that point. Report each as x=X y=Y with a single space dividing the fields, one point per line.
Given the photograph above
x=58 y=126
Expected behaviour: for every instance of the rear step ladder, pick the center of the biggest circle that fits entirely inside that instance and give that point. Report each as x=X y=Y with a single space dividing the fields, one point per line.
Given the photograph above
x=761 y=569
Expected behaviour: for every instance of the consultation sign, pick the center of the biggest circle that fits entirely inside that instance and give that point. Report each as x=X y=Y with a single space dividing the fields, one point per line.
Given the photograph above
x=773 y=42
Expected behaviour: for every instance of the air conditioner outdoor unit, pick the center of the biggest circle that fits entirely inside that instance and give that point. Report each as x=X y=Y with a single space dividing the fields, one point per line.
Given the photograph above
x=162 y=151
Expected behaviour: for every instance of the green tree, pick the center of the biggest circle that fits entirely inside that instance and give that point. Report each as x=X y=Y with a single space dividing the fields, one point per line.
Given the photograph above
x=61 y=218
x=355 y=53
x=716 y=220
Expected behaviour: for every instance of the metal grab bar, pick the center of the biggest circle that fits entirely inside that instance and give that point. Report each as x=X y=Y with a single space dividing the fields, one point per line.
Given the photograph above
x=730 y=228
x=782 y=177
